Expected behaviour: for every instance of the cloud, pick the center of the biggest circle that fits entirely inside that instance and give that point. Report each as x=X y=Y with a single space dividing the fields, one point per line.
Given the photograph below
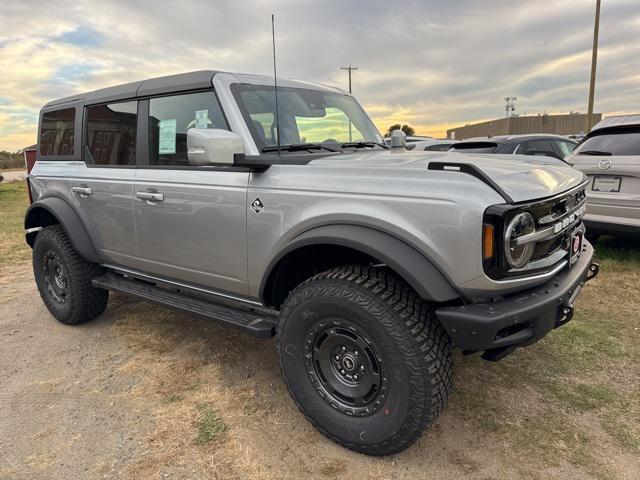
x=432 y=64
x=81 y=37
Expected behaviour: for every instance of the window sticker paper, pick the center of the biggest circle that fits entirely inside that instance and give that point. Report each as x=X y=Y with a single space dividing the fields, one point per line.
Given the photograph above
x=202 y=117
x=167 y=137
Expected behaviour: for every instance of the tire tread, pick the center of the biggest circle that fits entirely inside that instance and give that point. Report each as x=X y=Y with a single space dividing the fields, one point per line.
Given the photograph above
x=407 y=317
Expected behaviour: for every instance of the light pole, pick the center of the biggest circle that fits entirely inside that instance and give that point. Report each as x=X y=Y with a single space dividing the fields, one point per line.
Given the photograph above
x=349 y=68
x=594 y=59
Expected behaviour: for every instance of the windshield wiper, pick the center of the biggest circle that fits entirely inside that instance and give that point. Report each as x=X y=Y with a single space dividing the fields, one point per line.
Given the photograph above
x=595 y=153
x=363 y=144
x=294 y=147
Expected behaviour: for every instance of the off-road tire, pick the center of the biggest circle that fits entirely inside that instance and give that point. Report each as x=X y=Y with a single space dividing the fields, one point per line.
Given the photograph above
x=412 y=344
x=83 y=302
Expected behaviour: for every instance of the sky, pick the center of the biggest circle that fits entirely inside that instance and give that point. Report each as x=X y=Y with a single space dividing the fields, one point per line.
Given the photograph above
x=431 y=64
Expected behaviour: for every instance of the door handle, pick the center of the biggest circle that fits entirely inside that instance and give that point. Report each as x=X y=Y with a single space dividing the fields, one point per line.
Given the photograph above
x=83 y=190
x=150 y=196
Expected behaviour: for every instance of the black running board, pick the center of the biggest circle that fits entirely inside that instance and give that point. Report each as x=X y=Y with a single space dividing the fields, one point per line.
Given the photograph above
x=260 y=324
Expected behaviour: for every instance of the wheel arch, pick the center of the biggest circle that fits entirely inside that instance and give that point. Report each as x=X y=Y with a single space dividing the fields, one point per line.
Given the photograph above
x=52 y=211
x=365 y=244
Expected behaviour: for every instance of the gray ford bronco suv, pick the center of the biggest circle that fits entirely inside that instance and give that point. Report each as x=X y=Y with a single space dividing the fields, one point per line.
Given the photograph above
x=282 y=212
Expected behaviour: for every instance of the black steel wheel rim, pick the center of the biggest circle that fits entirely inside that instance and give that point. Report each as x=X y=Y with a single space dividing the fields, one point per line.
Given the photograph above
x=55 y=277
x=345 y=367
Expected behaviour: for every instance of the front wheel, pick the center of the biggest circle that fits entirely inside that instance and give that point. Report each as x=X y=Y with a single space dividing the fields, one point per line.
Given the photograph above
x=64 y=278
x=364 y=358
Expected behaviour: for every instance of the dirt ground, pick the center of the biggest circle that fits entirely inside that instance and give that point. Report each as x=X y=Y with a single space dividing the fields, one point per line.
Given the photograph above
x=15 y=174
x=121 y=397
x=144 y=392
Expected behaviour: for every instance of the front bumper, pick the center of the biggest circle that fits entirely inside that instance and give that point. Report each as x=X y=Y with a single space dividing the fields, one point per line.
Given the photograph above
x=521 y=318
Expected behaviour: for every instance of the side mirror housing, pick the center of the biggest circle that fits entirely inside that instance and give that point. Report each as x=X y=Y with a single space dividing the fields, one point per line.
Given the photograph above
x=213 y=146
x=398 y=139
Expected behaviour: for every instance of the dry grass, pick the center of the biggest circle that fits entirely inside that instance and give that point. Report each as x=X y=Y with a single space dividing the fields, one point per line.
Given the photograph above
x=566 y=407
x=13 y=204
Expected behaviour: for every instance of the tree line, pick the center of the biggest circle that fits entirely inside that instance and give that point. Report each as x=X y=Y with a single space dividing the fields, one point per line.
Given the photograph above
x=408 y=130
x=11 y=160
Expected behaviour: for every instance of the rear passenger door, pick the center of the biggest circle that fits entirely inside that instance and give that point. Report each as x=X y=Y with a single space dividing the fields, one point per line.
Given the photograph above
x=190 y=220
x=102 y=185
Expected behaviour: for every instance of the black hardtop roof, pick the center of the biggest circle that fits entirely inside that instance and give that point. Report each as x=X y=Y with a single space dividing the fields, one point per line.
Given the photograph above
x=153 y=86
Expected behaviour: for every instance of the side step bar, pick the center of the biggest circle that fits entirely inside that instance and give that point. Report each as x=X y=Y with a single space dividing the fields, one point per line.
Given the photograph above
x=262 y=325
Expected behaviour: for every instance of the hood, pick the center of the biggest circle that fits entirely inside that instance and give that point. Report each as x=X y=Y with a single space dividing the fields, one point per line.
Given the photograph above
x=523 y=179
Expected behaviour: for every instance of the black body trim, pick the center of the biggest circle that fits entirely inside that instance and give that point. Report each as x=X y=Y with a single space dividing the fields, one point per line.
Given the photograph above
x=473 y=171
x=70 y=221
x=521 y=318
x=416 y=269
x=264 y=161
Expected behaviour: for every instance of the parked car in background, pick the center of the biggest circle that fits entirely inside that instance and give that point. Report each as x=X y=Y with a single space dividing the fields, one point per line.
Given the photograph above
x=419 y=143
x=435 y=145
x=554 y=146
x=610 y=157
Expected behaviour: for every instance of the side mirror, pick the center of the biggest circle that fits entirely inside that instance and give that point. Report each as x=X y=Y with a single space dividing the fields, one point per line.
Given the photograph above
x=213 y=146
x=398 y=139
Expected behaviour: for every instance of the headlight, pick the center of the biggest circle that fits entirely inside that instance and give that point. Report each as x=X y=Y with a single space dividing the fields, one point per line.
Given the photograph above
x=519 y=255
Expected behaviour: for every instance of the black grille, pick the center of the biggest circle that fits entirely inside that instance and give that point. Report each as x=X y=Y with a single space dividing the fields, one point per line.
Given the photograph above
x=549 y=213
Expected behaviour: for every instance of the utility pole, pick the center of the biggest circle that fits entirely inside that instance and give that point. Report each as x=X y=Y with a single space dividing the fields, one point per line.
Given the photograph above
x=594 y=59
x=349 y=68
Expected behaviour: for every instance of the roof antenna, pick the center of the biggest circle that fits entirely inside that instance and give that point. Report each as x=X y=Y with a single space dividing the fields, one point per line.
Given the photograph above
x=275 y=79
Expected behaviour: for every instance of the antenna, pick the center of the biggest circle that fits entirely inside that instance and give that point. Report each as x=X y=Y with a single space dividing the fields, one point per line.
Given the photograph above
x=275 y=78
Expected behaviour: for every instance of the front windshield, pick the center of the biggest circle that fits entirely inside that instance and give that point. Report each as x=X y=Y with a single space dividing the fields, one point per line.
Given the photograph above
x=305 y=116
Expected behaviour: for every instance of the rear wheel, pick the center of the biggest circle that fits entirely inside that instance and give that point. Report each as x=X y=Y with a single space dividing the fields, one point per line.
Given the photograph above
x=364 y=358
x=64 y=278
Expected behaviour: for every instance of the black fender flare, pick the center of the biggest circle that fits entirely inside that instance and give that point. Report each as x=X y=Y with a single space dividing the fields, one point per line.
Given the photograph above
x=413 y=266
x=66 y=216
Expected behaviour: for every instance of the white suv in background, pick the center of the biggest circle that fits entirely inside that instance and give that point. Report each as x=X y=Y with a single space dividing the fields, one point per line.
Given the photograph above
x=610 y=157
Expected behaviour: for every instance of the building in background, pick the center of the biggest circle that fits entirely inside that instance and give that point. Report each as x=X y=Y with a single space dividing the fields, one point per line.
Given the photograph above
x=566 y=124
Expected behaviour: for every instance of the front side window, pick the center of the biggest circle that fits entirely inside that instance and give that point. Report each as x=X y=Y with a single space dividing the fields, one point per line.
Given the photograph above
x=111 y=133
x=171 y=117
x=57 y=132
x=305 y=116
x=612 y=142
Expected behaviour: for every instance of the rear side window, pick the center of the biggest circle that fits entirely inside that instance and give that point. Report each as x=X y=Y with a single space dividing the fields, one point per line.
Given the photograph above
x=57 y=132
x=625 y=142
x=171 y=117
x=566 y=147
x=111 y=133
x=537 y=147
x=438 y=147
x=475 y=147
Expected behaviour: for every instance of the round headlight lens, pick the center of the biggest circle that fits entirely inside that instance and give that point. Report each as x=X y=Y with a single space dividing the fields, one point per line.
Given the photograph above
x=519 y=255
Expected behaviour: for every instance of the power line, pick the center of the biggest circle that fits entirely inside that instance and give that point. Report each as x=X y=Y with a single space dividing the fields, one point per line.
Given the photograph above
x=349 y=68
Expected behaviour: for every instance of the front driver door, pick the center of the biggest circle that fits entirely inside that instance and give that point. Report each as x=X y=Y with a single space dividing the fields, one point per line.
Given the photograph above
x=190 y=220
